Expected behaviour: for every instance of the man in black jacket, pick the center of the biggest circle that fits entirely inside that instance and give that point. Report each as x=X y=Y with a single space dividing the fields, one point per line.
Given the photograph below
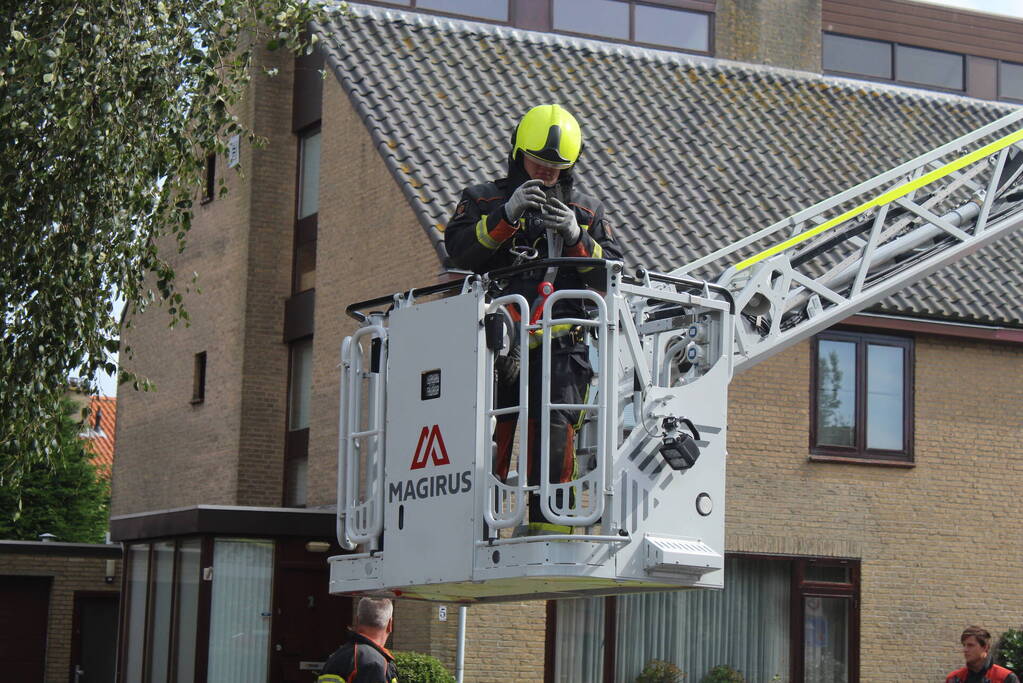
x=363 y=658
x=537 y=212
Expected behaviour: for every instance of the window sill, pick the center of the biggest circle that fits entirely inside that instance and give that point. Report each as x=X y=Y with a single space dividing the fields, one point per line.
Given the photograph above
x=197 y=401
x=856 y=460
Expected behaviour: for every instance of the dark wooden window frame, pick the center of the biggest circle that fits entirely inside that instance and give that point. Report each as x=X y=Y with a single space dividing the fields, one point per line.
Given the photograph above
x=895 y=67
x=860 y=453
x=801 y=588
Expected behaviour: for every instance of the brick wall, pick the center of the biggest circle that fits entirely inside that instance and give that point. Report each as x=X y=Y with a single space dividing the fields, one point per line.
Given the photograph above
x=784 y=33
x=502 y=642
x=938 y=542
x=227 y=450
x=70 y=574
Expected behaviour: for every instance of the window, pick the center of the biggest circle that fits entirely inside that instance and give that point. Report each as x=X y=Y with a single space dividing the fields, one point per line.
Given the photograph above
x=297 y=439
x=748 y=626
x=596 y=17
x=495 y=10
x=929 y=67
x=673 y=28
x=307 y=210
x=209 y=187
x=309 y=174
x=890 y=61
x=862 y=397
x=162 y=611
x=199 y=378
x=1010 y=81
x=858 y=56
x=240 y=610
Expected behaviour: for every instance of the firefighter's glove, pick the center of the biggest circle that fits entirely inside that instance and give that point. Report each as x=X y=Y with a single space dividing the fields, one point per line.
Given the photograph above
x=561 y=218
x=508 y=366
x=528 y=195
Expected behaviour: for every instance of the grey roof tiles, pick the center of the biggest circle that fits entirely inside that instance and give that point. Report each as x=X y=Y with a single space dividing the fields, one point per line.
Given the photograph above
x=689 y=154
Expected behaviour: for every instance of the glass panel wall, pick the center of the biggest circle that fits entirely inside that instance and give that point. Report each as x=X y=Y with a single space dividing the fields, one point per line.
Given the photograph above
x=240 y=610
x=134 y=632
x=189 y=575
x=161 y=595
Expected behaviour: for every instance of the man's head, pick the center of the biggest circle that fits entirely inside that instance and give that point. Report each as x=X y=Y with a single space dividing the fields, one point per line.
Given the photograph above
x=547 y=142
x=976 y=645
x=373 y=618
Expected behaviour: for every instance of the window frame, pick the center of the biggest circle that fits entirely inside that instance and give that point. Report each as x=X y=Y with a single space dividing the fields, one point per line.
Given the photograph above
x=859 y=452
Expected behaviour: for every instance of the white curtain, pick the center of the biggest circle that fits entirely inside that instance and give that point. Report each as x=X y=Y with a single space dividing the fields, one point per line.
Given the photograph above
x=240 y=611
x=745 y=626
x=579 y=642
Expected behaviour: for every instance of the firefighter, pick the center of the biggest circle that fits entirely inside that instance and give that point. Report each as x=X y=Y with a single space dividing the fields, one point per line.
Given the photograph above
x=363 y=658
x=537 y=206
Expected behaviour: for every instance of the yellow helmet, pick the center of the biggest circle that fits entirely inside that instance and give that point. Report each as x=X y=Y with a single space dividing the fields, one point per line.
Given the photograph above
x=550 y=135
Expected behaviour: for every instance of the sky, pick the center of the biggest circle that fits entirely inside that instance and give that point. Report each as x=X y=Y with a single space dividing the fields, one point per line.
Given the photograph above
x=1010 y=8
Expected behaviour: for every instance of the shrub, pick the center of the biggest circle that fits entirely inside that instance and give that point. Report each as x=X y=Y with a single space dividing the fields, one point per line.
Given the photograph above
x=1010 y=650
x=657 y=671
x=723 y=674
x=414 y=667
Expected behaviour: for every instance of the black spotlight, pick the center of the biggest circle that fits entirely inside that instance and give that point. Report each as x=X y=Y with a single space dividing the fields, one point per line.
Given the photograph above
x=679 y=449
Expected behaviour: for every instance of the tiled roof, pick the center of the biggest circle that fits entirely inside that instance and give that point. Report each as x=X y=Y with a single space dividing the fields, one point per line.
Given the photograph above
x=98 y=430
x=689 y=154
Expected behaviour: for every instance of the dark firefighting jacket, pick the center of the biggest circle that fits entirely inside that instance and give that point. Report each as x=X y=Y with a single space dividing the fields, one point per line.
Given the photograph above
x=359 y=660
x=480 y=238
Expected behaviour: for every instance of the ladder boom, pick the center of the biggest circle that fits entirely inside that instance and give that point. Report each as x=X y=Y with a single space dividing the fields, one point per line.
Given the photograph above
x=862 y=245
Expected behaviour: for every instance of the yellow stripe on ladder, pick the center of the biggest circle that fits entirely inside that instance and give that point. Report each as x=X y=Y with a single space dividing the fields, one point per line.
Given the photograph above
x=885 y=198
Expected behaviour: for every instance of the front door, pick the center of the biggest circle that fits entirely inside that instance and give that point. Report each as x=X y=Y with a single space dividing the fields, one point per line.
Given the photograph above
x=93 y=640
x=309 y=623
x=24 y=610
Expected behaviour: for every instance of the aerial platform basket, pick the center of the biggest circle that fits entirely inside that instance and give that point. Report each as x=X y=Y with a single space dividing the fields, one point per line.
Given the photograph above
x=419 y=502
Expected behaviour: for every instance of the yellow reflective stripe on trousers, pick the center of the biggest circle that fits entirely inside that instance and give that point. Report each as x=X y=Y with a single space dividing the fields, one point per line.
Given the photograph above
x=885 y=198
x=536 y=336
x=483 y=235
x=330 y=678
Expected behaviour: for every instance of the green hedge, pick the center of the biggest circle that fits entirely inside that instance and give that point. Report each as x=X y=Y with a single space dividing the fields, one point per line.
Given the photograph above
x=414 y=667
x=1010 y=650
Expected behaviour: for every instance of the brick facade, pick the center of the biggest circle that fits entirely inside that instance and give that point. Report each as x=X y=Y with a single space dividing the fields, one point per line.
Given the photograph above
x=937 y=541
x=227 y=450
x=70 y=572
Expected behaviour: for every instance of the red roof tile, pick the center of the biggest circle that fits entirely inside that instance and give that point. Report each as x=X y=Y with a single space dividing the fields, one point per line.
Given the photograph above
x=99 y=430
